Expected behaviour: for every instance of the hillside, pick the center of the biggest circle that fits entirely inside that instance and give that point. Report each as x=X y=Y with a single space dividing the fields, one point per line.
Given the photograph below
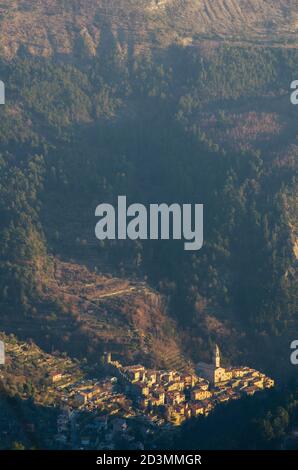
x=163 y=101
x=85 y=314
x=55 y=27
x=216 y=127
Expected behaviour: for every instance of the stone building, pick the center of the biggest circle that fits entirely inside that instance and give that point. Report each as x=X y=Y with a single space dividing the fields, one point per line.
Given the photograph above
x=214 y=373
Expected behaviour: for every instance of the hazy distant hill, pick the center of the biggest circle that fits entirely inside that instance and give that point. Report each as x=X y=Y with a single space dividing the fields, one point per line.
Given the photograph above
x=46 y=27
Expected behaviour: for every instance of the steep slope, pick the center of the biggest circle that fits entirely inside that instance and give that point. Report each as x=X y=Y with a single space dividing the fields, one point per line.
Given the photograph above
x=85 y=313
x=47 y=27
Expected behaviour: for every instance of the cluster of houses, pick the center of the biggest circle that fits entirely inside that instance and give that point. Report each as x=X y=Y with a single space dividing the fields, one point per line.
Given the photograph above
x=131 y=404
x=179 y=396
x=79 y=430
x=91 y=394
x=135 y=397
x=152 y=398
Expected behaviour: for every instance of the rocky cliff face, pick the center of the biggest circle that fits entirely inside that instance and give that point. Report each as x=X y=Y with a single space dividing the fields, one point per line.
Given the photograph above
x=59 y=27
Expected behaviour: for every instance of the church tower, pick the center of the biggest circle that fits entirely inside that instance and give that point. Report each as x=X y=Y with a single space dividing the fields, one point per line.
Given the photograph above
x=107 y=358
x=2 y=353
x=2 y=92
x=216 y=357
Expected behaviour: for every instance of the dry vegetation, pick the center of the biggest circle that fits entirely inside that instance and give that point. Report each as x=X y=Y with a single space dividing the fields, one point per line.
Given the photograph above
x=84 y=314
x=243 y=131
x=28 y=369
x=47 y=27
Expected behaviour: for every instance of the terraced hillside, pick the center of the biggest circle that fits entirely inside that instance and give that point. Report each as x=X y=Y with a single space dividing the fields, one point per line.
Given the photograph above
x=47 y=27
x=85 y=313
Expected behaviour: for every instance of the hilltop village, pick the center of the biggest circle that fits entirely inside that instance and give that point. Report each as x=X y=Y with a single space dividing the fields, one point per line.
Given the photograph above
x=123 y=406
x=178 y=396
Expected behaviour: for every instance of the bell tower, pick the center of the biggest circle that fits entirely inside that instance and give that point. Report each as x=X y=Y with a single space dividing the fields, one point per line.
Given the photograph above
x=2 y=92
x=107 y=358
x=216 y=357
x=2 y=353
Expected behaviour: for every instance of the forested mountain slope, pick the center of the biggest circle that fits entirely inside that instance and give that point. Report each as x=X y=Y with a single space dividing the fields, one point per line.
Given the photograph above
x=101 y=102
x=72 y=137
